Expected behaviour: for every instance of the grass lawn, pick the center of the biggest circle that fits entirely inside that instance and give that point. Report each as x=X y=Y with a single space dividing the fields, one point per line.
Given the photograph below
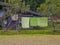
x=29 y=32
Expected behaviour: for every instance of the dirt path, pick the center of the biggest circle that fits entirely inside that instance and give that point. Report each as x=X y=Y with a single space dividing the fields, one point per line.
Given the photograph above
x=30 y=40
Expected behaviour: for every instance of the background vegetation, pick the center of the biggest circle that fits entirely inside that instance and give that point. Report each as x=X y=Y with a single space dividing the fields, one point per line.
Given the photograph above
x=45 y=7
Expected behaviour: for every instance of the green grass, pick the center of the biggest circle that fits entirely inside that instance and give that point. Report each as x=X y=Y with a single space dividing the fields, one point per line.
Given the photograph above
x=14 y=32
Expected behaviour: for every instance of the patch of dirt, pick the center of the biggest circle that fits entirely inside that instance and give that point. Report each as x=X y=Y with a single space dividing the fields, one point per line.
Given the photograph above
x=30 y=40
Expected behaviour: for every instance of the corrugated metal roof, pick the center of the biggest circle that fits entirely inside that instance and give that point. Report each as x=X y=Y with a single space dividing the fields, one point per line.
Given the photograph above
x=34 y=13
x=30 y=13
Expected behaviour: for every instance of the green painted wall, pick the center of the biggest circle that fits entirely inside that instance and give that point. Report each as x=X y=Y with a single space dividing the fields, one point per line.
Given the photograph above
x=42 y=21
x=39 y=21
x=25 y=22
x=34 y=21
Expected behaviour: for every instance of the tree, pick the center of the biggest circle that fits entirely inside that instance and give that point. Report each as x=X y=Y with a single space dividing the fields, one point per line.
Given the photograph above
x=34 y=4
x=41 y=6
x=49 y=7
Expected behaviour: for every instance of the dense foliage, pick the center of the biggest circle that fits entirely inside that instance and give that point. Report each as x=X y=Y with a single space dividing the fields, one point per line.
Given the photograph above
x=45 y=7
x=50 y=6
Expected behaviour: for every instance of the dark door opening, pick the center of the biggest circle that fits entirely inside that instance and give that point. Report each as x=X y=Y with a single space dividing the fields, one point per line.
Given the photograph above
x=1 y=7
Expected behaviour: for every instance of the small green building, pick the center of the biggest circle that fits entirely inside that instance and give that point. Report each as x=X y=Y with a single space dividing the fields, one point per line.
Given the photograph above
x=32 y=19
